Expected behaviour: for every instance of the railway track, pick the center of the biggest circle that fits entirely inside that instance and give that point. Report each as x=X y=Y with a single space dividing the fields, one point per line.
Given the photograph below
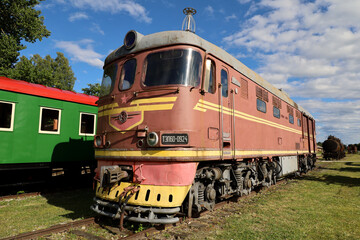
x=54 y=229
x=151 y=232
x=68 y=227
x=22 y=195
x=145 y=234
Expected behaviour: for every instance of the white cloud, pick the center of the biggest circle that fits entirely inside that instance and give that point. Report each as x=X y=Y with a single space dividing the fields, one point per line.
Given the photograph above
x=77 y=16
x=231 y=17
x=309 y=48
x=81 y=51
x=97 y=29
x=337 y=118
x=209 y=10
x=134 y=9
x=243 y=1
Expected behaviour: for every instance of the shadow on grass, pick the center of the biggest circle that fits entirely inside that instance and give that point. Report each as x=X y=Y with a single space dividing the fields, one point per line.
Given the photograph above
x=76 y=202
x=350 y=169
x=344 y=169
x=335 y=179
x=352 y=164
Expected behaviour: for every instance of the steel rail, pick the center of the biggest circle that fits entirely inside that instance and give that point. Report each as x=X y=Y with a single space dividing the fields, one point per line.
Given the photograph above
x=54 y=229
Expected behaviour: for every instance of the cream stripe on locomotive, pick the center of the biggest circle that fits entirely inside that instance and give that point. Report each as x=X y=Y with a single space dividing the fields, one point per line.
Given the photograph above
x=191 y=153
x=146 y=105
x=203 y=106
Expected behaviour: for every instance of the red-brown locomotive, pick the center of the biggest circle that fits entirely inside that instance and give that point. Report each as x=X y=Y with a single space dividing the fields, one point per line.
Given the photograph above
x=182 y=124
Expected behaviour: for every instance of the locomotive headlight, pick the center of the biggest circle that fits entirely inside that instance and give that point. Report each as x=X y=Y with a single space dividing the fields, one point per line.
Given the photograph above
x=130 y=39
x=98 y=141
x=152 y=139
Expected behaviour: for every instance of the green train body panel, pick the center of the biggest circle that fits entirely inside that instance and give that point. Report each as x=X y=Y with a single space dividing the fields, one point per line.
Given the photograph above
x=26 y=145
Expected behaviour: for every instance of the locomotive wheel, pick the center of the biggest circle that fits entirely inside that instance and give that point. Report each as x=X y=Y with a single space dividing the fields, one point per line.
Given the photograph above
x=247 y=183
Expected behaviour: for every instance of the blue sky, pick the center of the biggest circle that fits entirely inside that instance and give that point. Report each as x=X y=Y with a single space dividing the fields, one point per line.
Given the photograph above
x=309 y=48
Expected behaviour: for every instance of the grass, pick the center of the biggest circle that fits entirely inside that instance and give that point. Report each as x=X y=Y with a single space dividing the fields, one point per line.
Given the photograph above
x=40 y=212
x=324 y=204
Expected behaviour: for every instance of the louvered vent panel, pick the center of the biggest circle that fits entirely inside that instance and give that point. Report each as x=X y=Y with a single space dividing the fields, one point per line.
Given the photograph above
x=258 y=92
x=244 y=89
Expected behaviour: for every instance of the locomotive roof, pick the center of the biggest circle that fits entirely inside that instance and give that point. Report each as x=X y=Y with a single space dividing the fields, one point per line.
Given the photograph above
x=168 y=38
x=13 y=85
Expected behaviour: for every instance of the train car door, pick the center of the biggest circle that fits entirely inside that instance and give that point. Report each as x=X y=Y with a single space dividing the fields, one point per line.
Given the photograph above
x=225 y=114
x=312 y=135
x=307 y=132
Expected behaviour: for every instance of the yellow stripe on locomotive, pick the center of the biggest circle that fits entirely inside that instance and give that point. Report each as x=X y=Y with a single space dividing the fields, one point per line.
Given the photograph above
x=148 y=195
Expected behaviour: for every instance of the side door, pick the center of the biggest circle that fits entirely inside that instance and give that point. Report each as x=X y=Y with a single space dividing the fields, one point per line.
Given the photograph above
x=226 y=113
x=306 y=132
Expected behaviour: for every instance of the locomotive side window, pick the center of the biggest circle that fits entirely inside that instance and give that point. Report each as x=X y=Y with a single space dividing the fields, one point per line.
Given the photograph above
x=291 y=119
x=7 y=111
x=87 y=124
x=177 y=66
x=127 y=75
x=49 y=120
x=209 y=81
x=298 y=116
x=224 y=83
x=276 y=112
x=261 y=105
x=108 y=80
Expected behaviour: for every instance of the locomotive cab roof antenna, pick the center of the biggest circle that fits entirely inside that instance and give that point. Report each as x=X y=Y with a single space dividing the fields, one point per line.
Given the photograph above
x=189 y=22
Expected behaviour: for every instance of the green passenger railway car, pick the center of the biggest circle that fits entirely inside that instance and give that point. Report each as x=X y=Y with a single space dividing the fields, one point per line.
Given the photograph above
x=43 y=129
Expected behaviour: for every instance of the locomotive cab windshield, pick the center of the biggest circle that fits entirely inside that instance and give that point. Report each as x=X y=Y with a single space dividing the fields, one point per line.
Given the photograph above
x=173 y=67
x=108 y=81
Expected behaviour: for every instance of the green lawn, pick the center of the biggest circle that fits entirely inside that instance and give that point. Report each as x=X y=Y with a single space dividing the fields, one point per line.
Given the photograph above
x=324 y=204
x=33 y=213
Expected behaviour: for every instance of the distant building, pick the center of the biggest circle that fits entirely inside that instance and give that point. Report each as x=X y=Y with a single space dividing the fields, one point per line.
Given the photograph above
x=319 y=148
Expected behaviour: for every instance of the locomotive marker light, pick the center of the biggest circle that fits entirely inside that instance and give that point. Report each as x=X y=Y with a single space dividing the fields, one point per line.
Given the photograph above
x=98 y=141
x=152 y=139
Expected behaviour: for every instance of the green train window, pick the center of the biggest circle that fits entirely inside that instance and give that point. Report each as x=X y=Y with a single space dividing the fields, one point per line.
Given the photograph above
x=7 y=111
x=276 y=112
x=49 y=120
x=127 y=75
x=87 y=124
x=261 y=105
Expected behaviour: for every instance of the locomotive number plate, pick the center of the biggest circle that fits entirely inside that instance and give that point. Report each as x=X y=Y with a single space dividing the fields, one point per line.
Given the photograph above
x=174 y=139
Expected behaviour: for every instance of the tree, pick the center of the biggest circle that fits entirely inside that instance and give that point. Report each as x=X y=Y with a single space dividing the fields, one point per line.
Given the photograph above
x=93 y=89
x=9 y=52
x=18 y=21
x=46 y=71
